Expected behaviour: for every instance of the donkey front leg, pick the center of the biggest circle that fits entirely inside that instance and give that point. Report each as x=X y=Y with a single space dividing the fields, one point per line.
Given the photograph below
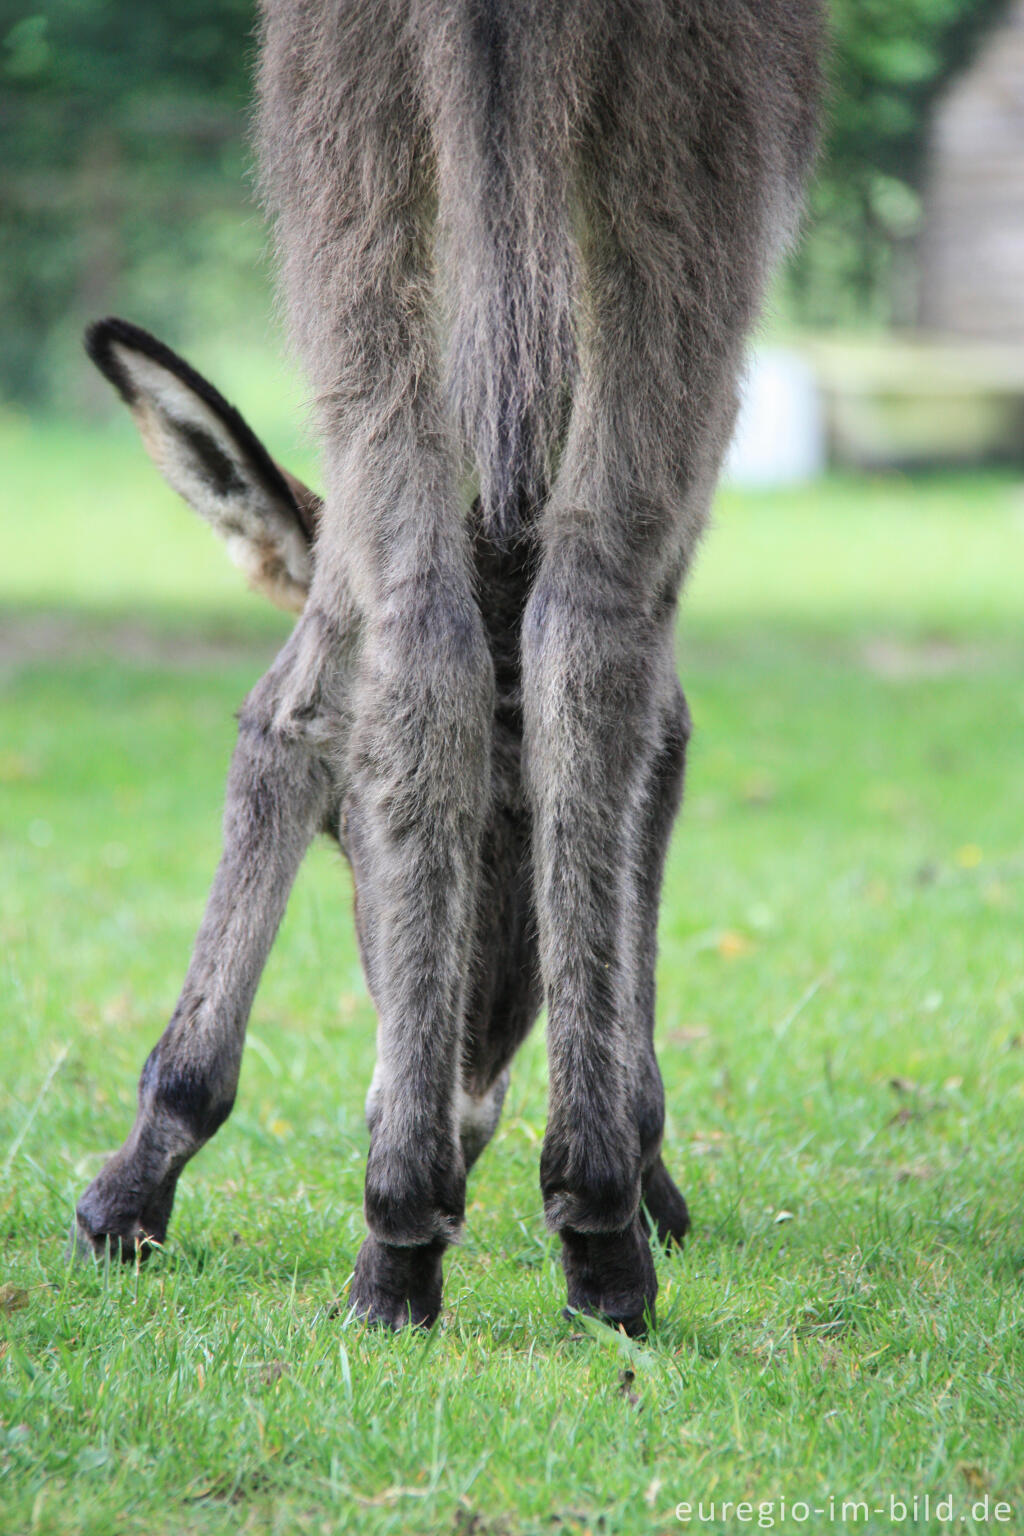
x=279 y=794
x=504 y=984
x=662 y=1200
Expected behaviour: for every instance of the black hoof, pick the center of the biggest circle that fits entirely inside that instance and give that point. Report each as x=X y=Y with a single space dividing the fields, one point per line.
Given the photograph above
x=610 y=1275
x=114 y=1218
x=665 y=1205
x=636 y=1327
x=130 y=1247
x=396 y=1287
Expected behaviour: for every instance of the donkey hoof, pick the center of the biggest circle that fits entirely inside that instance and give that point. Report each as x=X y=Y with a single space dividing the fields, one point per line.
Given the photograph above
x=637 y=1325
x=85 y=1245
x=114 y=1220
x=396 y=1287
x=665 y=1206
x=80 y=1247
x=610 y=1275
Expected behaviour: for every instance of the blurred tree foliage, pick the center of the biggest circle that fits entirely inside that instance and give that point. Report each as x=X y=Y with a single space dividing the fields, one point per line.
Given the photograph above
x=890 y=60
x=123 y=173
x=123 y=178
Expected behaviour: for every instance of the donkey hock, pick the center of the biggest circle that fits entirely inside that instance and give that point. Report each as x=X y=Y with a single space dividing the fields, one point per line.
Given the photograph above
x=525 y=239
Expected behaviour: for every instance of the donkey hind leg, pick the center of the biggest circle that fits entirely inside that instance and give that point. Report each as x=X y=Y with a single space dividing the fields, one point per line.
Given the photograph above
x=415 y=808
x=506 y=991
x=655 y=398
x=599 y=844
x=280 y=793
x=662 y=1201
x=345 y=156
x=504 y=988
x=504 y=994
x=590 y=1261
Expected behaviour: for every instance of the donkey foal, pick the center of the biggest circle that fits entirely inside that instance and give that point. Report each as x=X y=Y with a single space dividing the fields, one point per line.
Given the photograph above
x=530 y=236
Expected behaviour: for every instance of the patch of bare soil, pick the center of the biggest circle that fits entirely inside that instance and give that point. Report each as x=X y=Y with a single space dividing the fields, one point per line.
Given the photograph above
x=33 y=639
x=899 y=660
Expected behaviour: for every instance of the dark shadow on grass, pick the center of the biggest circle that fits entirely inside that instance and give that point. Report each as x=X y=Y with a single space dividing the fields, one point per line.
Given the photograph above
x=168 y=639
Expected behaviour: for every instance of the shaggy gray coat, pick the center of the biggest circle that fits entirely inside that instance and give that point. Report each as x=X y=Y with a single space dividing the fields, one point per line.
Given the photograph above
x=521 y=241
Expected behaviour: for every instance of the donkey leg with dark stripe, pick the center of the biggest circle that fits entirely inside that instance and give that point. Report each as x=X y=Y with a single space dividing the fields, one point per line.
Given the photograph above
x=280 y=794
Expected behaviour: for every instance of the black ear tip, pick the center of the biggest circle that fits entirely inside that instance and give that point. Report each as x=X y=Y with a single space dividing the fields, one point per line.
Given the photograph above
x=99 y=340
x=108 y=343
x=94 y=335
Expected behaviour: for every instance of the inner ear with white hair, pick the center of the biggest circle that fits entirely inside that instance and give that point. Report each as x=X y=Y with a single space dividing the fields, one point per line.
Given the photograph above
x=209 y=454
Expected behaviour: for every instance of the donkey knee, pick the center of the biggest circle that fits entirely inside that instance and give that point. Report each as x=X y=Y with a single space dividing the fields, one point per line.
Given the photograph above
x=590 y=1171
x=410 y=1200
x=415 y=1185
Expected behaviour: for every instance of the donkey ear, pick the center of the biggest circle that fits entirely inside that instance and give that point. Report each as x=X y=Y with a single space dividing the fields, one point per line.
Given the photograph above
x=209 y=455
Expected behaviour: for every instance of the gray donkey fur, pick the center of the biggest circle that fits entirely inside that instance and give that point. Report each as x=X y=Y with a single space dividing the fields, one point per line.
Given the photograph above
x=524 y=238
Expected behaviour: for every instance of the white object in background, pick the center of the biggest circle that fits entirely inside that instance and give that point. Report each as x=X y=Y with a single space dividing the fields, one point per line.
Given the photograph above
x=780 y=432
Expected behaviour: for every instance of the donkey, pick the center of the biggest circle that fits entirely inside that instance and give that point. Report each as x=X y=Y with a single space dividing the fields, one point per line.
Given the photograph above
x=522 y=243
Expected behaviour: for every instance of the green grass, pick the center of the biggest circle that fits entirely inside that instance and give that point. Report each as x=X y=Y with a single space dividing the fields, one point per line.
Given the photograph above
x=841 y=1019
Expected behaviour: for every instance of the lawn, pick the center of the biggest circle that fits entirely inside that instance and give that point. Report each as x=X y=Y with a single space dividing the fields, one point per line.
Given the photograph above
x=841 y=1019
